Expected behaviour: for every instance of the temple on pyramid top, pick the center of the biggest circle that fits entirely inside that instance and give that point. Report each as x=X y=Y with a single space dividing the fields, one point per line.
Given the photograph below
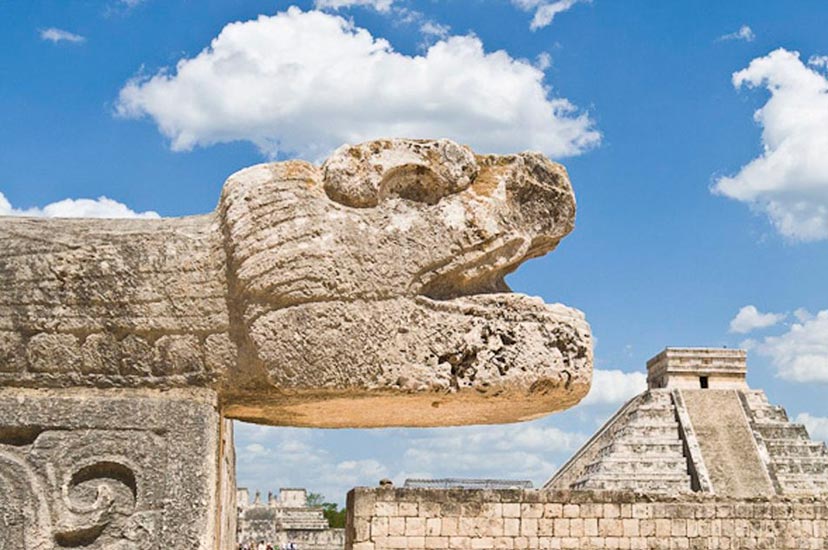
x=698 y=368
x=699 y=428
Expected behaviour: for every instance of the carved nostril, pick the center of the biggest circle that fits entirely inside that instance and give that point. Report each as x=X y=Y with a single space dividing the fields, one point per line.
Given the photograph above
x=542 y=197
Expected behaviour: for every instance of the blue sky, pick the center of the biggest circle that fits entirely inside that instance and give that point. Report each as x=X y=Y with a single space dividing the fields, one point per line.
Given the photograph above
x=695 y=135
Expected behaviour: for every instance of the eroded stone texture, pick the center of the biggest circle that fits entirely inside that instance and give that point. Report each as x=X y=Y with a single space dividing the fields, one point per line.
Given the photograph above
x=114 y=470
x=366 y=292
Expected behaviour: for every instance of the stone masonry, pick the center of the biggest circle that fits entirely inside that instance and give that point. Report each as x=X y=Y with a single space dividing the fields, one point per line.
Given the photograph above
x=368 y=291
x=390 y=519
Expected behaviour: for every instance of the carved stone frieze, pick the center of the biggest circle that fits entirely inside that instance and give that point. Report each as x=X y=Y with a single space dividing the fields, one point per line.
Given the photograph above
x=101 y=471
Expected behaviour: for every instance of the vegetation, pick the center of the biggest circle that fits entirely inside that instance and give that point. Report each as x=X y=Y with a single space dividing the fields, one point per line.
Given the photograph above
x=331 y=511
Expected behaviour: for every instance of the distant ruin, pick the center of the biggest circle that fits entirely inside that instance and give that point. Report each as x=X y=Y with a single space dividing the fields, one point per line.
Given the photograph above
x=368 y=291
x=697 y=461
x=284 y=519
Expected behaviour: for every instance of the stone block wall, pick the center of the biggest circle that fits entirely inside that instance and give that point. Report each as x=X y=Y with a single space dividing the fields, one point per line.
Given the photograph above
x=381 y=519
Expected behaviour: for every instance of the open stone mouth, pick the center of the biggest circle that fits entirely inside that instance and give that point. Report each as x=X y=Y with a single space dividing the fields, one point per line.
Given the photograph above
x=483 y=273
x=481 y=280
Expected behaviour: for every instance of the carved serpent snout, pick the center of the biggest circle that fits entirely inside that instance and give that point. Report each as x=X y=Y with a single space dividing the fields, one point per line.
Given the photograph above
x=367 y=291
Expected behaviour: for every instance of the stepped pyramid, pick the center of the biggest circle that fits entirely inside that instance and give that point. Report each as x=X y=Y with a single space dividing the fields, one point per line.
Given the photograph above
x=699 y=428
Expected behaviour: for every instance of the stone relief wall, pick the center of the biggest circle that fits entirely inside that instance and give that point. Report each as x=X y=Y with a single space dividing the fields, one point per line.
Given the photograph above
x=99 y=470
x=386 y=519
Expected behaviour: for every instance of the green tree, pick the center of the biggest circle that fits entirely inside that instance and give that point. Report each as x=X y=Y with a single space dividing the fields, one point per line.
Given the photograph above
x=330 y=510
x=315 y=500
x=334 y=515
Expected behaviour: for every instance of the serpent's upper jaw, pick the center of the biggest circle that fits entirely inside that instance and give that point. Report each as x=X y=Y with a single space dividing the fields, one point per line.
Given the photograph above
x=392 y=218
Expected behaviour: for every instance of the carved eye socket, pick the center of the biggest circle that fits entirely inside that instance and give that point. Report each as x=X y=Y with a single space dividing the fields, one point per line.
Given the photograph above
x=413 y=182
x=363 y=175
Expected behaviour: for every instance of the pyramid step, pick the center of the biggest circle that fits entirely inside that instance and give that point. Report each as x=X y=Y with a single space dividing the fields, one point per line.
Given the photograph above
x=649 y=414
x=772 y=430
x=756 y=399
x=817 y=466
x=637 y=465
x=636 y=477
x=644 y=447
x=779 y=448
x=770 y=414
x=634 y=431
x=663 y=405
x=643 y=422
x=649 y=484
x=658 y=397
x=802 y=483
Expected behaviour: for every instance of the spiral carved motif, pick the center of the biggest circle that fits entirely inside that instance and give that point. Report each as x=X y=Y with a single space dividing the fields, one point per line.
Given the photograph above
x=78 y=489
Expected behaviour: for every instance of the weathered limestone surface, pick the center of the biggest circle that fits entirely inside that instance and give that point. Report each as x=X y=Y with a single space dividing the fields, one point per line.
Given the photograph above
x=387 y=519
x=365 y=292
x=114 y=469
x=226 y=491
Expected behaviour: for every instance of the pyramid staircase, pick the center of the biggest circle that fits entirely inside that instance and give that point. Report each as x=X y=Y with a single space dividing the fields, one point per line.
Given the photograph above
x=699 y=427
x=639 y=449
x=796 y=465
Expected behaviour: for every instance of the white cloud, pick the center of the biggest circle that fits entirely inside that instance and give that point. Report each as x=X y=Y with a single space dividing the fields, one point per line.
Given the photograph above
x=789 y=180
x=545 y=11
x=744 y=33
x=255 y=449
x=516 y=451
x=802 y=315
x=379 y=5
x=818 y=61
x=543 y=61
x=58 y=35
x=306 y=82
x=353 y=473
x=801 y=354
x=102 y=207
x=613 y=387
x=817 y=426
x=121 y=7
x=749 y=319
x=270 y=458
x=432 y=29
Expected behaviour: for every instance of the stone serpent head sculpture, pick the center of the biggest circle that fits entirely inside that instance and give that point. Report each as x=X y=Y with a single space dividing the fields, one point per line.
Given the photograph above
x=368 y=291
